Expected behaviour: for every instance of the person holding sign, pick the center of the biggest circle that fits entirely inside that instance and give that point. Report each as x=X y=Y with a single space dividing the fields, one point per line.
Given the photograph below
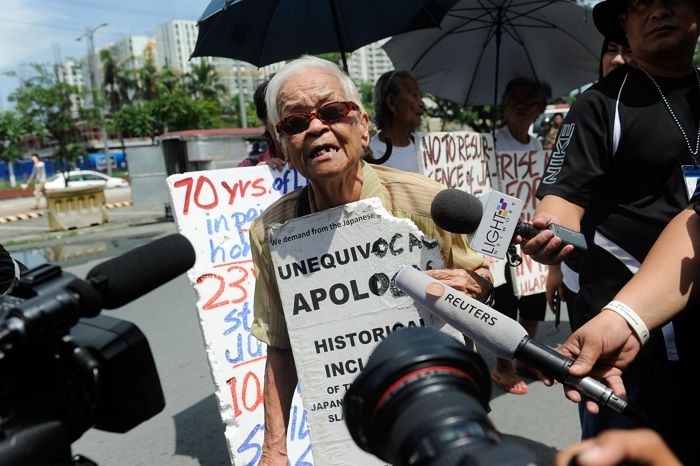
x=398 y=108
x=618 y=165
x=523 y=100
x=323 y=131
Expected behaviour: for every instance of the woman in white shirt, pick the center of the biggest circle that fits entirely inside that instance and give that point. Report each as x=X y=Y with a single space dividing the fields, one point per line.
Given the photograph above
x=398 y=109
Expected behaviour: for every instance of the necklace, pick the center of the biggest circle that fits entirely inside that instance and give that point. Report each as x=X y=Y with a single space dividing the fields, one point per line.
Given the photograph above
x=693 y=153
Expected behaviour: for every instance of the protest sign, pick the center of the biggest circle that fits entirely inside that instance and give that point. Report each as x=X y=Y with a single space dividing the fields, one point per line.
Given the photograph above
x=214 y=210
x=335 y=272
x=460 y=159
x=518 y=175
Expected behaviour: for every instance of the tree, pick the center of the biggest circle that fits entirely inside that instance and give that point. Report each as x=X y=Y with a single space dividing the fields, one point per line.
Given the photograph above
x=477 y=118
x=12 y=130
x=45 y=101
x=135 y=120
x=203 y=82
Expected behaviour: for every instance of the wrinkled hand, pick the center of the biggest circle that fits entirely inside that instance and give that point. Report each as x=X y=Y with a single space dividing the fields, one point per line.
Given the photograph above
x=474 y=284
x=272 y=459
x=545 y=248
x=602 y=348
x=613 y=447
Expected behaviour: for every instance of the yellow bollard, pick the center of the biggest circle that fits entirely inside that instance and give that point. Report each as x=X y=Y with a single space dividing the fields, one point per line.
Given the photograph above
x=70 y=208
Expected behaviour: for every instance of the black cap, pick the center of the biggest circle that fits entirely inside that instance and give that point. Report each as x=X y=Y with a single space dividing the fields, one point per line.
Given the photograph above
x=605 y=19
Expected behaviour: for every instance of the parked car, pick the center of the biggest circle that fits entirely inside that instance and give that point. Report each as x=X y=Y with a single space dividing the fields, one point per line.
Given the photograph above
x=84 y=179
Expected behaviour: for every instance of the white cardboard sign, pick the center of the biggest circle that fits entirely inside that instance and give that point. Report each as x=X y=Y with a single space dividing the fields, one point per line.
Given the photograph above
x=214 y=210
x=335 y=274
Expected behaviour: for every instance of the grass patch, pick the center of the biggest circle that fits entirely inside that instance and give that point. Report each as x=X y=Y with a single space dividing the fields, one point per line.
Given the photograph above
x=24 y=242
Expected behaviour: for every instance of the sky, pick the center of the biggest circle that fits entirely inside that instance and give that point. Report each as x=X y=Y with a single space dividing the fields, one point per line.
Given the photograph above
x=29 y=28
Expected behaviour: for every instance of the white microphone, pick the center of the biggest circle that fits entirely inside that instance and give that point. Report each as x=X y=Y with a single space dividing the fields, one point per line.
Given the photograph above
x=502 y=335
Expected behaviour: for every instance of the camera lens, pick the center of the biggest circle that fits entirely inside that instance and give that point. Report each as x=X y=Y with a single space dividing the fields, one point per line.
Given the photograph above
x=421 y=400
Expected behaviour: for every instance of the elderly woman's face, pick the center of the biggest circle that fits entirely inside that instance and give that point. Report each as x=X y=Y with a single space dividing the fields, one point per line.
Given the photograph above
x=408 y=105
x=324 y=150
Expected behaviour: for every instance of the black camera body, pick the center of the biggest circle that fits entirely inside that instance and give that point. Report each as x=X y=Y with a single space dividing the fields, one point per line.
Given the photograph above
x=422 y=400
x=63 y=373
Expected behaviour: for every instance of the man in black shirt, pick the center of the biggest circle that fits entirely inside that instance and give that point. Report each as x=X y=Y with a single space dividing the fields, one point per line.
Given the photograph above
x=617 y=162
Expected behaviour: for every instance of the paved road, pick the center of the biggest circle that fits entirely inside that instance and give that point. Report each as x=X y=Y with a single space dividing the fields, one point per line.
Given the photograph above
x=189 y=430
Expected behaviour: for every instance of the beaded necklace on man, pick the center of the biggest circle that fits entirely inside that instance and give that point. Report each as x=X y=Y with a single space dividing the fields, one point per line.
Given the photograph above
x=693 y=153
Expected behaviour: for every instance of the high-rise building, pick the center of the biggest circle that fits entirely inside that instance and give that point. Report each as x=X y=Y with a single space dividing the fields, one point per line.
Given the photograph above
x=368 y=63
x=175 y=41
x=130 y=51
x=71 y=72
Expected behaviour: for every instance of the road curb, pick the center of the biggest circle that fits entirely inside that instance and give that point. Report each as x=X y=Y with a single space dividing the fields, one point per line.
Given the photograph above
x=34 y=214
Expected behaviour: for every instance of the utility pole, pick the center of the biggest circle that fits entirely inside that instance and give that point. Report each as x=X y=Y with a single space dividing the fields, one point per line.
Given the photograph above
x=95 y=86
x=241 y=102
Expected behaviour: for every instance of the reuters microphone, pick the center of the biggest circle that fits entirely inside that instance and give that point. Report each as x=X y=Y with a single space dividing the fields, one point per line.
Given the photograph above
x=502 y=335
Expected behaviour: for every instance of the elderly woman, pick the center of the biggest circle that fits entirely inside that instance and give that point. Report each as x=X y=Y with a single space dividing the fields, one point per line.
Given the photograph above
x=323 y=131
x=398 y=108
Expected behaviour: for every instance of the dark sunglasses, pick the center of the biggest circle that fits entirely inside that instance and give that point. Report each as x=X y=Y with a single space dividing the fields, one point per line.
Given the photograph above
x=331 y=112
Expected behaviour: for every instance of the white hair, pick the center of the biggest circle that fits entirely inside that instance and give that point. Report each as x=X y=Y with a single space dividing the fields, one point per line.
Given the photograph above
x=304 y=63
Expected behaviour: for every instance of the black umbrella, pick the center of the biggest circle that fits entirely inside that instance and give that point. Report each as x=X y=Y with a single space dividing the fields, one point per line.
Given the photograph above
x=262 y=32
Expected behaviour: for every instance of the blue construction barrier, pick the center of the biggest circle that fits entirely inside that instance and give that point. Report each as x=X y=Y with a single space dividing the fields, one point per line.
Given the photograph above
x=93 y=161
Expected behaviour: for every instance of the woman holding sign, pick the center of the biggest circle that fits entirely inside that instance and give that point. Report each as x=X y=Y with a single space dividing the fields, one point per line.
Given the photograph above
x=523 y=100
x=398 y=108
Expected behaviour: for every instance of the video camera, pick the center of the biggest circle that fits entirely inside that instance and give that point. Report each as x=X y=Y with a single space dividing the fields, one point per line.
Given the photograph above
x=422 y=400
x=65 y=368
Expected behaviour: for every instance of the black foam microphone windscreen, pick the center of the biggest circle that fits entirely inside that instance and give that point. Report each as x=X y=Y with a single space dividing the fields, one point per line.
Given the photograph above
x=456 y=211
x=124 y=278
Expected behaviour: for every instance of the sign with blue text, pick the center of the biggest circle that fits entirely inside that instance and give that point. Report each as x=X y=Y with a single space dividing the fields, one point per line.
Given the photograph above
x=214 y=210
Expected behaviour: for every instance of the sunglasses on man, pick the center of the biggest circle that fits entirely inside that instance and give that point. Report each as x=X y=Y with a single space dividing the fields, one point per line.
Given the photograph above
x=331 y=112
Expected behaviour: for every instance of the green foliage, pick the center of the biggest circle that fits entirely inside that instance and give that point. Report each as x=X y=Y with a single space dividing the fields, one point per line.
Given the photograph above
x=203 y=81
x=12 y=130
x=44 y=104
x=135 y=120
x=478 y=118
x=366 y=90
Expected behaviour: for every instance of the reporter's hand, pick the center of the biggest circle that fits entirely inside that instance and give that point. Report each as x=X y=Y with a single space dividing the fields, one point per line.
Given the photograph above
x=613 y=447
x=601 y=348
x=545 y=247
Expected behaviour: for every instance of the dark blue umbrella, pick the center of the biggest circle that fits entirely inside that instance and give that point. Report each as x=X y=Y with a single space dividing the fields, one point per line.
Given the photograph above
x=262 y=32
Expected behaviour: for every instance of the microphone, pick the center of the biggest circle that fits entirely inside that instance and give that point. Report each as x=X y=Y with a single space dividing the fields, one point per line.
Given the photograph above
x=127 y=277
x=503 y=336
x=492 y=221
x=48 y=301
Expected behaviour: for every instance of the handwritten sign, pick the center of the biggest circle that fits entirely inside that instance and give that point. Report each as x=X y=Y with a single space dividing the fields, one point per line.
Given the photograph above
x=214 y=210
x=335 y=272
x=519 y=174
x=458 y=160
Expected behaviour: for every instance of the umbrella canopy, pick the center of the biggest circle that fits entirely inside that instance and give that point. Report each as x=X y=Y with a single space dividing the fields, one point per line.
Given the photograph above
x=483 y=44
x=262 y=32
